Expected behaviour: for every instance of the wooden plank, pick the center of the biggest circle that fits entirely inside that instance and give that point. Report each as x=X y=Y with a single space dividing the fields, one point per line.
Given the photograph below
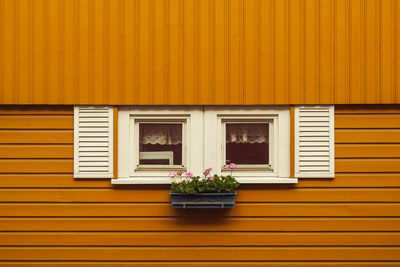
x=34 y=110
x=82 y=45
x=53 y=53
x=22 y=53
x=36 y=165
x=281 y=57
x=380 y=180
x=36 y=122
x=145 y=48
x=372 y=49
x=367 y=121
x=327 y=53
x=219 y=57
x=49 y=180
x=70 y=75
x=367 y=151
x=342 y=51
x=175 y=86
x=388 y=50
x=9 y=58
x=367 y=136
x=77 y=56
x=354 y=180
x=296 y=49
x=207 y=224
x=37 y=136
x=397 y=52
x=39 y=64
x=191 y=263
x=367 y=165
x=164 y=209
x=188 y=239
x=204 y=42
x=36 y=151
x=356 y=51
x=267 y=55
x=159 y=53
x=234 y=47
x=369 y=109
x=278 y=194
x=199 y=253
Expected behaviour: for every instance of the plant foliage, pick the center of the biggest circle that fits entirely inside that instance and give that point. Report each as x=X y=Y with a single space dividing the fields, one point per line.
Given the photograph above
x=212 y=184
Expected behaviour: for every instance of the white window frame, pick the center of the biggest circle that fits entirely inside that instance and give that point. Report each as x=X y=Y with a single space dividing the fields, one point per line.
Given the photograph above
x=280 y=129
x=247 y=120
x=205 y=135
x=158 y=120
x=128 y=139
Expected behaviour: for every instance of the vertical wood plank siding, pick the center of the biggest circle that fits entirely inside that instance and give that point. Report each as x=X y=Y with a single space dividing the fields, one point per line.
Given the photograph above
x=173 y=52
x=49 y=219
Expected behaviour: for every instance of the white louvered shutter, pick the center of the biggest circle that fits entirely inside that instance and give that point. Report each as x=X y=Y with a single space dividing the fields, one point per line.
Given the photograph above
x=93 y=142
x=314 y=142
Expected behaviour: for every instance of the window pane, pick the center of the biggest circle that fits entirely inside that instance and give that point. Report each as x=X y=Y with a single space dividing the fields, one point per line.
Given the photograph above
x=160 y=144
x=247 y=143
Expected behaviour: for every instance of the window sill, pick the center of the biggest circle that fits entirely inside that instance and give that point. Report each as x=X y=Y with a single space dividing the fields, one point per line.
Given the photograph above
x=242 y=180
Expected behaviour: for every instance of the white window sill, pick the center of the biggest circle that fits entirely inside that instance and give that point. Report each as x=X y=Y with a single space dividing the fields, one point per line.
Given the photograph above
x=242 y=180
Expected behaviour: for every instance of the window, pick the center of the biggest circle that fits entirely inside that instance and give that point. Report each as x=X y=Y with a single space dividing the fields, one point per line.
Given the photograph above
x=160 y=144
x=247 y=144
x=257 y=139
x=154 y=140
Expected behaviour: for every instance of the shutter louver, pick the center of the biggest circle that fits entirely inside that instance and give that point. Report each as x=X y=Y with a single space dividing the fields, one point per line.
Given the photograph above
x=314 y=142
x=93 y=142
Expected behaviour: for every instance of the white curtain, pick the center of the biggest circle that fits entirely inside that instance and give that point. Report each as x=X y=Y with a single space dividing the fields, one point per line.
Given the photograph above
x=247 y=133
x=160 y=134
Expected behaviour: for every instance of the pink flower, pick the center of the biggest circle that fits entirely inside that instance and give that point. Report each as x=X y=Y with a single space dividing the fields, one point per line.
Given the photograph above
x=211 y=177
x=172 y=174
x=232 y=166
x=207 y=171
x=189 y=174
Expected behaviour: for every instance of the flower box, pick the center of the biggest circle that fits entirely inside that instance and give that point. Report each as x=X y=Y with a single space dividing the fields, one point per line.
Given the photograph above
x=203 y=200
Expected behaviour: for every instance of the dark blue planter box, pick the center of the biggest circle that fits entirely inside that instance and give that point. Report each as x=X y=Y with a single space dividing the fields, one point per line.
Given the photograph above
x=203 y=200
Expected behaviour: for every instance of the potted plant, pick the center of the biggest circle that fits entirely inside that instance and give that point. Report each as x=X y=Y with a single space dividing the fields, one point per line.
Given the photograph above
x=189 y=191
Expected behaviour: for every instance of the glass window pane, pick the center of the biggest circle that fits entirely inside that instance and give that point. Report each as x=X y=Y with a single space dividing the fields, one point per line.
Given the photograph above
x=247 y=143
x=160 y=144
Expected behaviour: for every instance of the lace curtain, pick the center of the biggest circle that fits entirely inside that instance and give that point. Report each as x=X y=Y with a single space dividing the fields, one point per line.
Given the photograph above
x=247 y=133
x=171 y=134
x=160 y=134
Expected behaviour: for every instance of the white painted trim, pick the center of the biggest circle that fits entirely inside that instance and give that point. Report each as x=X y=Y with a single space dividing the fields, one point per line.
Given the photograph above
x=89 y=115
x=204 y=142
x=167 y=180
x=318 y=145
x=279 y=116
x=76 y=142
x=94 y=175
x=168 y=155
x=124 y=137
x=191 y=117
x=135 y=123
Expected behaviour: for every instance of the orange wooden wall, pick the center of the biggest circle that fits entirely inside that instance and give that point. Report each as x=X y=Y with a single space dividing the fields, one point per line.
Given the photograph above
x=49 y=219
x=199 y=51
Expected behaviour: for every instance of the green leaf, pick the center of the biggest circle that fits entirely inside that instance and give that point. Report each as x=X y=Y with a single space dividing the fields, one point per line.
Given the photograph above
x=205 y=185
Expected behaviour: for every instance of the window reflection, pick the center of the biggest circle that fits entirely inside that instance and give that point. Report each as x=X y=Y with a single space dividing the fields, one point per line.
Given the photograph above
x=160 y=144
x=247 y=143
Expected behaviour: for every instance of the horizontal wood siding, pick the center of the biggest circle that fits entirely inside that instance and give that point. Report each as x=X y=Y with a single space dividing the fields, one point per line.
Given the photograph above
x=239 y=52
x=50 y=219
